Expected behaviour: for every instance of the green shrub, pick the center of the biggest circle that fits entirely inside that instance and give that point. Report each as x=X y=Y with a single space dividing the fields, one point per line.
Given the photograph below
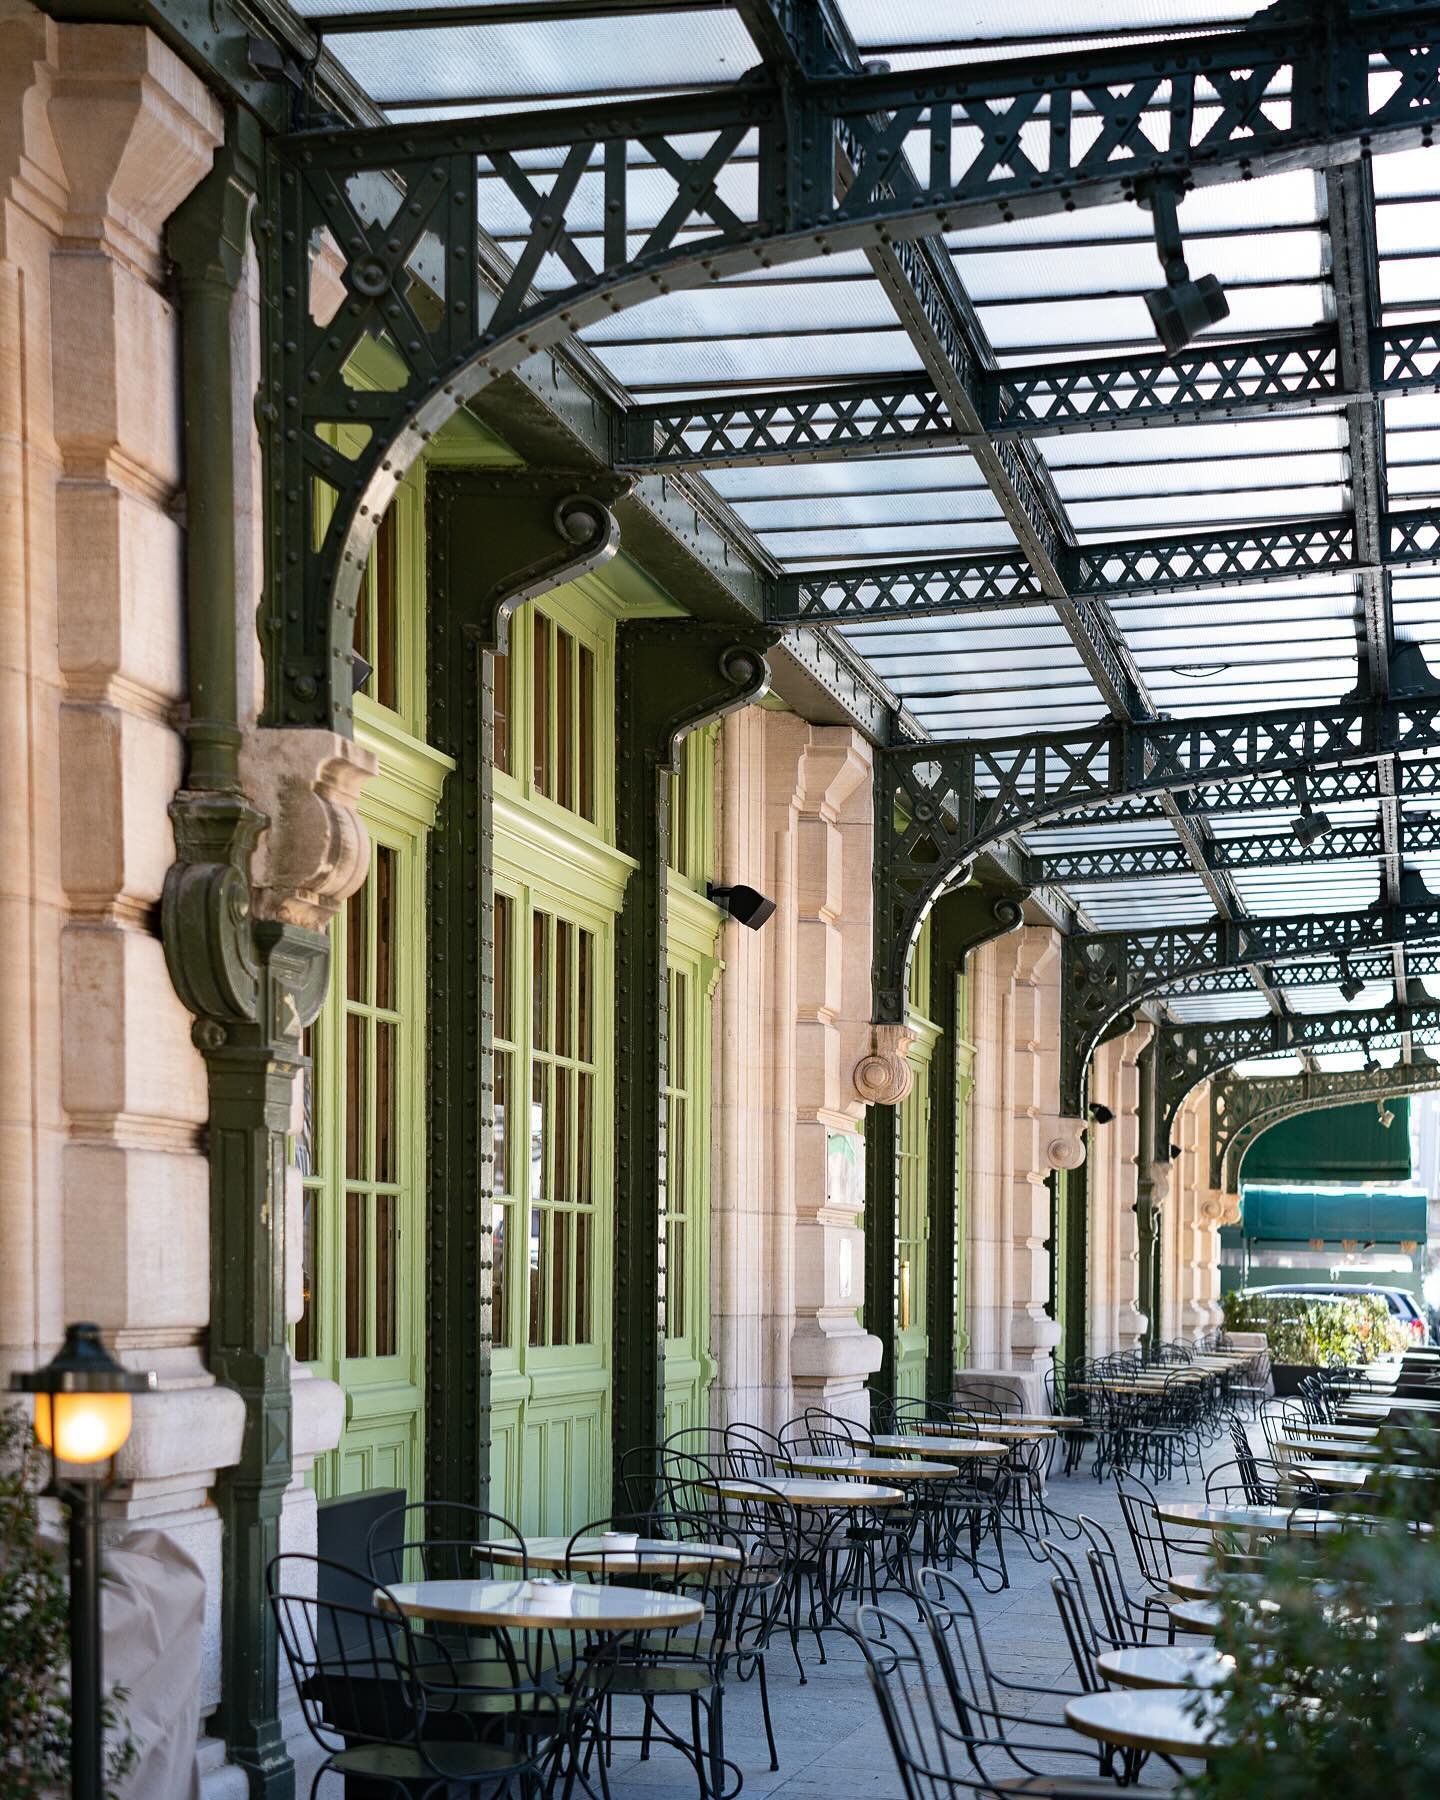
x=1299 y=1330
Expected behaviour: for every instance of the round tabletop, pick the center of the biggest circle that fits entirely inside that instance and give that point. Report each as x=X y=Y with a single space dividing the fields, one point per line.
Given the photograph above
x=960 y=1447
x=816 y=1496
x=1338 y=1475
x=542 y=1605
x=1159 y=1721
x=1337 y=1448
x=1164 y=1666
x=618 y=1553
x=1202 y=1617
x=1270 y=1519
x=1009 y=1432
x=892 y=1468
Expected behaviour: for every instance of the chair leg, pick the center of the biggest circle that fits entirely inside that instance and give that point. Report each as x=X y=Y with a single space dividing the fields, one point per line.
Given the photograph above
x=765 y=1712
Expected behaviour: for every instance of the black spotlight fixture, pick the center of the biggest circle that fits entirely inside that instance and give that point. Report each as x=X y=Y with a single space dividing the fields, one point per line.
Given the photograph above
x=1351 y=986
x=1099 y=1112
x=1183 y=308
x=1384 y=1114
x=745 y=905
x=1310 y=826
x=1372 y=1062
x=1174 y=1153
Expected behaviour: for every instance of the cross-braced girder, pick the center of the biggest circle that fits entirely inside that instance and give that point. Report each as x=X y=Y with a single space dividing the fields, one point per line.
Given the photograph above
x=883 y=593
x=937 y=804
x=1297 y=373
x=1242 y=1110
x=1105 y=973
x=1014 y=140
x=1186 y=1055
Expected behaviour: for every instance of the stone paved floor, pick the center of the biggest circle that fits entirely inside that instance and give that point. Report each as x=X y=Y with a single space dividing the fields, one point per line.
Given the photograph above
x=831 y=1741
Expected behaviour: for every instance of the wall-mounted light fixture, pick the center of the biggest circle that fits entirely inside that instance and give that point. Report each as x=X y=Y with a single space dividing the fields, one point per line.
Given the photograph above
x=745 y=905
x=1351 y=986
x=1100 y=1113
x=1181 y=309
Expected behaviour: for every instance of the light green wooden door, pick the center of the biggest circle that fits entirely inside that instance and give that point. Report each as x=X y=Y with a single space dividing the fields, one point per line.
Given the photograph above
x=912 y=1234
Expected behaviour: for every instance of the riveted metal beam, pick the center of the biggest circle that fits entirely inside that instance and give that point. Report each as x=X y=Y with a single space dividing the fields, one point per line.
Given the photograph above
x=1242 y=1110
x=1295 y=373
x=1106 y=973
x=1186 y=1055
x=1000 y=139
x=886 y=593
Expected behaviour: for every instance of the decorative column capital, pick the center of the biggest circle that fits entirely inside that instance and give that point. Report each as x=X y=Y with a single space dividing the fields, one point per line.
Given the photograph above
x=315 y=850
x=883 y=1076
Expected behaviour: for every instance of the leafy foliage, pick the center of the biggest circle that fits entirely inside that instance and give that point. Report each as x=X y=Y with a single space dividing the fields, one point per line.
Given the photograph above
x=1299 y=1330
x=35 y=1636
x=1336 y=1684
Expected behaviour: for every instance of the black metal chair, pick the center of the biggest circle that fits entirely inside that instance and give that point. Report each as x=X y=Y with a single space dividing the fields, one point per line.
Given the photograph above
x=390 y=1706
x=942 y=1745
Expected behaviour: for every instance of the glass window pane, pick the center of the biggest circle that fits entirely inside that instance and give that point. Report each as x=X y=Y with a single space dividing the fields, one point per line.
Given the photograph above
x=562 y=1185
x=504 y=1081
x=675 y=1319
x=584 y=1132
x=387 y=1156
x=354 y=1274
x=564 y=998
x=383 y=684
x=585 y=733
x=500 y=665
x=537 y=1288
x=564 y=718
x=584 y=996
x=306 y=1345
x=539 y=1131
x=504 y=1025
x=584 y=1331
x=385 y=926
x=386 y=1257
x=499 y=1312
x=357 y=943
x=307 y=1142
x=560 y=1332
x=540 y=980
x=541 y=720
x=355 y=1086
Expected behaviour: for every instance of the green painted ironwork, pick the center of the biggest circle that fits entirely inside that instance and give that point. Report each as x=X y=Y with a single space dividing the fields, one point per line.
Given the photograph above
x=961 y=921
x=1105 y=973
x=940 y=803
x=420 y=186
x=496 y=540
x=1148 y=1215
x=1295 y=372
x=1242 y=1110
x=672 y=676
x=1186 y=1055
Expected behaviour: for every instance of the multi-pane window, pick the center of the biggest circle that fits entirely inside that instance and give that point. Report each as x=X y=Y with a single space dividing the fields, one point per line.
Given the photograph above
x=375 y=615
x=912 y=1204
x=562 y=719
x=368 y=1134
x=679 y=1103
x=692 y=811
x=545 y=1180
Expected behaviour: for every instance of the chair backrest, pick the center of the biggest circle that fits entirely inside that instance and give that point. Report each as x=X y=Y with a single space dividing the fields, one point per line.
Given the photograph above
x=751 y=1450
x=1070 y=1604
x=1122 y=1621
x=353 y=1666
x=916 y=1709
x=686 y=1486
x=955 y=1630
x=1147 y=1534
x=443 y=1540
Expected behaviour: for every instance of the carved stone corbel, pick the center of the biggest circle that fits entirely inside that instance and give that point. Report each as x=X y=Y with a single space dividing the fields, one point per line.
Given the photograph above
x=883 y=1076
x=1064 y=1142
x=315 y=851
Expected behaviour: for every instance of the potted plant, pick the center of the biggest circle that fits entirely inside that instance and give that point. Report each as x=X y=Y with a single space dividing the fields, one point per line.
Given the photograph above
x=1304 y=1335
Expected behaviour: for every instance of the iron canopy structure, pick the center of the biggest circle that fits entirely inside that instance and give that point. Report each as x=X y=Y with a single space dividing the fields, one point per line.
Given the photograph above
x=869 y=289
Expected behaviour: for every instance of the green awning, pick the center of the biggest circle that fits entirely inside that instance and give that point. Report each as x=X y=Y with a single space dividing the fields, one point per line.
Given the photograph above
x=1298 y=1215
x=1333 y=1143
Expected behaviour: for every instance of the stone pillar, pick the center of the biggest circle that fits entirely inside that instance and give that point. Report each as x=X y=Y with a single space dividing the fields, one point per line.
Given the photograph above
x=1018 y=1137
x=794 y=1040
x=1193 y=1213
x=1117 y=1308
x=103 y=1195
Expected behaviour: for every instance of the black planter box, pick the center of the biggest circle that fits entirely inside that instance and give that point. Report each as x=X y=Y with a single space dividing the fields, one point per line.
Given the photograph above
x=1288 y=1376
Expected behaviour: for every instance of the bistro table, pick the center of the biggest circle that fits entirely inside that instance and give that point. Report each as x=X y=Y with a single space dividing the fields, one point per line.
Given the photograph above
x=958 y=1449
x=1266 y=1521
x=805 y=1496
x=1161 y=1721
x=541 y=1605
x=1163 y=1666
x=1202 y=1617
x=619 y=1553
x=1012 y=1429
x=888 y=1468
x=1343 y=1450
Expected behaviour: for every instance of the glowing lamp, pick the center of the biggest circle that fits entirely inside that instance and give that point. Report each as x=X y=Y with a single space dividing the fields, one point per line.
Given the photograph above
x=83 y=1417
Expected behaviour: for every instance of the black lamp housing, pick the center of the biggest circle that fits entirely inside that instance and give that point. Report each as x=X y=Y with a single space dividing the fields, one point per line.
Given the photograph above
x=82 y=1365
x=1183 y=308
x=1099 y=1113
x=745 y=905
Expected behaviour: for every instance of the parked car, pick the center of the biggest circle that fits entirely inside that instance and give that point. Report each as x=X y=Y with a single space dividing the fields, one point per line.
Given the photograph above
x=1402 y=1304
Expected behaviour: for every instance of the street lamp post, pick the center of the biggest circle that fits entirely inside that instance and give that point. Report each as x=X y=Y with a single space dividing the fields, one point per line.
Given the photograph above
x=83 y=1417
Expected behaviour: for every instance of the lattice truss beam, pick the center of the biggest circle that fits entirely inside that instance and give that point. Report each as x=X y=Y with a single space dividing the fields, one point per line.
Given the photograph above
x=1001 y=581
x=1242 y=1109
x=1186 y=1055
x=1296 y=373
x=938 y=804
x=772 y=169
x=1105 y=973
